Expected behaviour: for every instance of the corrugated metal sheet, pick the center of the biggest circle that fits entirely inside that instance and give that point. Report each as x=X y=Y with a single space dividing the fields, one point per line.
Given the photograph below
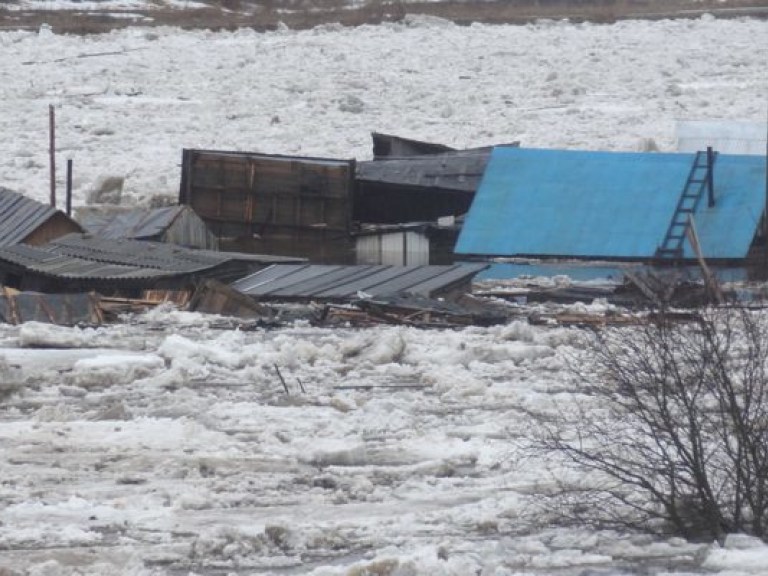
x=136 y=223
x=83 y=256
x=168 y=257
x=68 y=267
x=610 y=205
x=726 y=136
x=174 y=224
x=393 y=248
x=20 y=216
x=346 y=282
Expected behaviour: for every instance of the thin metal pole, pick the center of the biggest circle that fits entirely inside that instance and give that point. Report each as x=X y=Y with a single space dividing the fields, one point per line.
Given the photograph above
x=710 y=175
x=52 y=151
x=69 y=187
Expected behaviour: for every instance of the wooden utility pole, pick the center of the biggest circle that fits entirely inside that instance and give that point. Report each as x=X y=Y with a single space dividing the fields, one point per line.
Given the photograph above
x=52 y=151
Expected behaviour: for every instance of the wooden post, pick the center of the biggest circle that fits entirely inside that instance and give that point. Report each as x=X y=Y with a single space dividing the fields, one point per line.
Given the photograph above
x=69 y=187
x=710 y=282
x=52 y=151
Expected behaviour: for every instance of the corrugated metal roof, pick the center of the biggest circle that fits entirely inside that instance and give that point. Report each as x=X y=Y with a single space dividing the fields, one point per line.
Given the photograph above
x=158 y=255
x=137 y=223
x=726 y=136
x=345 y=282
x=20 y=216
x=459 y=170
x=83 y=256
x=57 y=265
x=610 y=205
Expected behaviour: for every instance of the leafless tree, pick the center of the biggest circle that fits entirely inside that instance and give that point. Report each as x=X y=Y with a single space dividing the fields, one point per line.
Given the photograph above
x=672 y=426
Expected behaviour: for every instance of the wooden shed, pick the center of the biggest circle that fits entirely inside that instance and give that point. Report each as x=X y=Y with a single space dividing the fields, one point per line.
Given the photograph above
x=272 y=204
x=172 y=224
x=27 y=221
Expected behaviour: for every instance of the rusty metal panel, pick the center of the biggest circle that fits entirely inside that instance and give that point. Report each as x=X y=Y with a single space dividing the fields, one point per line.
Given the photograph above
x=283 y=201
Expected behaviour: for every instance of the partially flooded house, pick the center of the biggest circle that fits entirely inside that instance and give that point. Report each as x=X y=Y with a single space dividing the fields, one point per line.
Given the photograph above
x=403 y=207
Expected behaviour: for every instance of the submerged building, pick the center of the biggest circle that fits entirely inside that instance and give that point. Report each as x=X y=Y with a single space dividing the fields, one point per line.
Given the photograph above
x=543 y=203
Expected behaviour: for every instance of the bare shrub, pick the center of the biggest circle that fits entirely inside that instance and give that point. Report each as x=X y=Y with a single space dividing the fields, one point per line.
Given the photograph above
x=672 y=429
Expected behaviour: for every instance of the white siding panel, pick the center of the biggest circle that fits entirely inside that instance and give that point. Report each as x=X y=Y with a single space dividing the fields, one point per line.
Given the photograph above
x=368 y=249
x=416 y=249
x=392 y=249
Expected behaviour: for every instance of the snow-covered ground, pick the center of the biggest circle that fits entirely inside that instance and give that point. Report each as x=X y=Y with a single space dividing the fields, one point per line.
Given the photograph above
x=166 y=446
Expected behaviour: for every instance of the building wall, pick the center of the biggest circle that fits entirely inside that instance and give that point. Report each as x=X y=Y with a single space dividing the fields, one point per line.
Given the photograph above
x=56 y=226
x=401 y=248
x=289 y=206
x=189 y=230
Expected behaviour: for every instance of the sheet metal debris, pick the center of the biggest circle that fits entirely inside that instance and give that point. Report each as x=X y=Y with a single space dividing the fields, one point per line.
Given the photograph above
x=80 y=263
x=411 y=310
x=345 y=283
x=213 y=297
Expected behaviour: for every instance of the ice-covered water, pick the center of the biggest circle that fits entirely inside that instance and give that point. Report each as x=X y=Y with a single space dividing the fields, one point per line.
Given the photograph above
x=128 y=102
x=168 y=446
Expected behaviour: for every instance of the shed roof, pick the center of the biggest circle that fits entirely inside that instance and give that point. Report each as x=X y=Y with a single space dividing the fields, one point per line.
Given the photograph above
x=290 y=281
x=138 y=223
x=45 y=261
x=83 y=256
x=20 y=216
x=386 y=145
x=606 y=204
x=460 y=170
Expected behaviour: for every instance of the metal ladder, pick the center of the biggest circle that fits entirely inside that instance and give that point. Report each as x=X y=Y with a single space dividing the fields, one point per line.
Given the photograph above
x=699 y=180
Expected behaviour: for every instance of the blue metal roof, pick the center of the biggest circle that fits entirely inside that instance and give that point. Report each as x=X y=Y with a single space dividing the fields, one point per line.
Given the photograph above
x=607 y=204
